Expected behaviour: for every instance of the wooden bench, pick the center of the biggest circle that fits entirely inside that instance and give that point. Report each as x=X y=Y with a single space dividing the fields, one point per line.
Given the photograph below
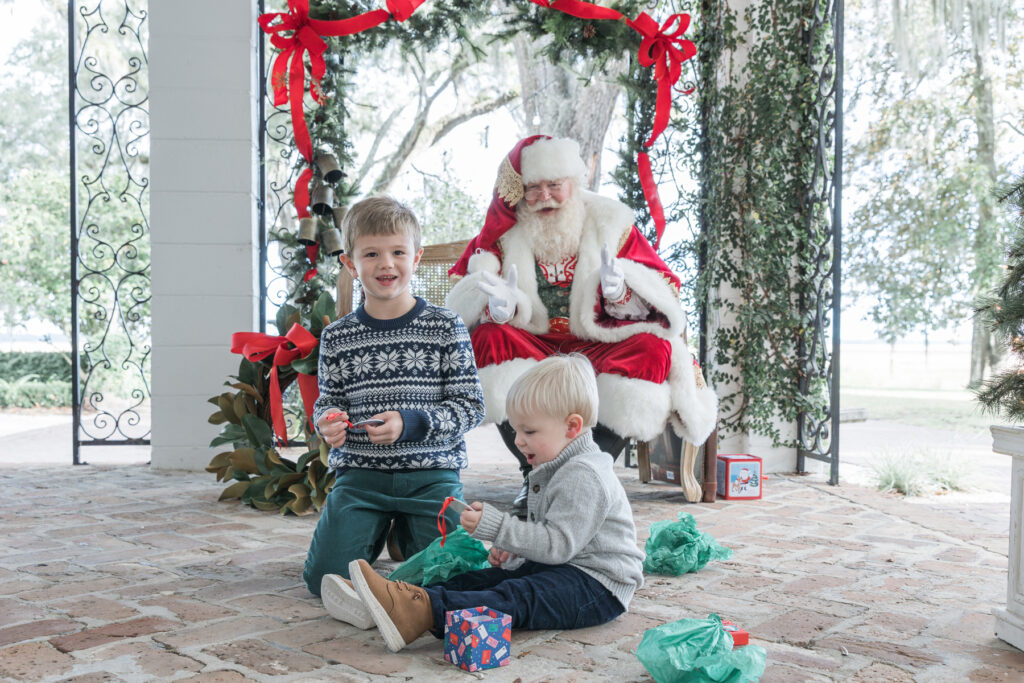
x=431 y=282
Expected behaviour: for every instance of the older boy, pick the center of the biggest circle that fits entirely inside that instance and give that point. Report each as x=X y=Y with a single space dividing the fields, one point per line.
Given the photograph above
x=407 y=364
x=581 y=564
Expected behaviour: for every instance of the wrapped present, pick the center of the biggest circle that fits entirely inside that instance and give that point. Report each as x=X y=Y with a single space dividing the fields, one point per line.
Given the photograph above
x=477 y=638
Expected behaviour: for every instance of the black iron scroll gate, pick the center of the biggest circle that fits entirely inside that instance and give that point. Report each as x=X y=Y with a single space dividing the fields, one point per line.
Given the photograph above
x=108 y=125
x=818 y=429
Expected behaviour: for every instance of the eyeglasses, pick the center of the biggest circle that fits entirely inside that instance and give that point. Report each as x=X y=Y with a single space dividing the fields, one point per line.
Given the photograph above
x=537 y=191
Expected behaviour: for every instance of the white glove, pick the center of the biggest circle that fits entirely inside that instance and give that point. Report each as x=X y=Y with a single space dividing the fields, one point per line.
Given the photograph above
x=613 y=280
x=501 y=294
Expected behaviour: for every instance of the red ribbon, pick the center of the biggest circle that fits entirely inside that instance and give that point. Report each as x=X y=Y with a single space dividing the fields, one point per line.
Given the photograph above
x=662 y=47
x=311 y=252
x=298 y=343
x=442 y=524
x=579 y=9
x=650 y=188
x=305 y=38
x=301 y=194
x=665 y=50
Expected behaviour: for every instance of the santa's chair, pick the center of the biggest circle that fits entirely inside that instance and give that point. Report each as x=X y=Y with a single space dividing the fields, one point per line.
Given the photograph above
x=664 y=449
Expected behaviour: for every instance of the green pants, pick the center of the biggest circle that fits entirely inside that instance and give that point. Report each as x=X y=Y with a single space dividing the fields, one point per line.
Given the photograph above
x=359 y=510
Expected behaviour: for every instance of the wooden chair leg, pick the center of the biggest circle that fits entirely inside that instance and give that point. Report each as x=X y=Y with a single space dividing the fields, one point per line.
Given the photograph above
x=711 y=467
x=643 y=461
x=691 y=487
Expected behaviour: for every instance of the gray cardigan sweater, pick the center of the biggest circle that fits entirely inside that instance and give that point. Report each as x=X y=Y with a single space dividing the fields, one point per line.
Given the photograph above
x=577 y=514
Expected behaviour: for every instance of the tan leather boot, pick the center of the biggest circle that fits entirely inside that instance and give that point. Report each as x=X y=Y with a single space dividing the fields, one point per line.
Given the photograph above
x=401 y=611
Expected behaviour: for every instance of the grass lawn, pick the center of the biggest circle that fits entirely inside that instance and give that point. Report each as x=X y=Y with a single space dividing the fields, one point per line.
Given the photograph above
x=958 y=412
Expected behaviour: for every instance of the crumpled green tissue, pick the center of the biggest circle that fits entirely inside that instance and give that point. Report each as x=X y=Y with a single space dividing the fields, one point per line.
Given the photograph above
x=676 y=548
x=461 y=553
x=698 y=651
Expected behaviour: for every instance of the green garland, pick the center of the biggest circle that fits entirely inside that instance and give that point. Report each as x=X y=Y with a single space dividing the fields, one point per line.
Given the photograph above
x=746 y=144
x=759 y=153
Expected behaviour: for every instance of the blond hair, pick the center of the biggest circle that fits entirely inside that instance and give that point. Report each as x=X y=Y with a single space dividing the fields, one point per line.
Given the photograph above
x=379 y=215
x=558 y=386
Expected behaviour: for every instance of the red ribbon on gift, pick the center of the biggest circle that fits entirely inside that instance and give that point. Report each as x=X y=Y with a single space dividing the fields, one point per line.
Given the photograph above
x=442 y=525
x=305 y=38
x=297 y=343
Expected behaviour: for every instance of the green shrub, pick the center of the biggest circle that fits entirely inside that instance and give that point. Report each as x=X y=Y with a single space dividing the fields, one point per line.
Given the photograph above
x=47 y=366
x=29 y=392
x=919 y=472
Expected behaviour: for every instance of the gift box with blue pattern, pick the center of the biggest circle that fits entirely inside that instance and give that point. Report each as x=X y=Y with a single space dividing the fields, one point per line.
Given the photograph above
x=477 y=638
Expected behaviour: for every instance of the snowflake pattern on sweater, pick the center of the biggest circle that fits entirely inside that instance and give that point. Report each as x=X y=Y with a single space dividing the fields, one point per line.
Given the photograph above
x=420 y=364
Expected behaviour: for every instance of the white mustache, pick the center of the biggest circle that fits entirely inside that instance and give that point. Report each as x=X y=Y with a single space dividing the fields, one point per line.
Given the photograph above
x=546 y=204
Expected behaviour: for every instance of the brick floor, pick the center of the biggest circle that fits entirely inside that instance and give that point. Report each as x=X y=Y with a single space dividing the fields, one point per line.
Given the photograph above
x=124 y=573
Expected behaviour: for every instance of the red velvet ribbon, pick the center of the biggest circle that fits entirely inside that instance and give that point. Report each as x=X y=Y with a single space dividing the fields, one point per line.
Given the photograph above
x=311 y=252
x=305 y=38
x=301 y=194
x=579 y=9
x=662 y=47
x=297 y=343
x=666 y=50
x=442 y=524
x=650 y=188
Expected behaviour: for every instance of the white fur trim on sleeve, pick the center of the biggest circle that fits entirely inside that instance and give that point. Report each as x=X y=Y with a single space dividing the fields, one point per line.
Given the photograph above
x=467 y=300
x=483 y=260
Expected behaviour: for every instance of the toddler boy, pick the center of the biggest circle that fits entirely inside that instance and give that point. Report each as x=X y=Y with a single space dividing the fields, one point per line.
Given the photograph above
x=575 y=556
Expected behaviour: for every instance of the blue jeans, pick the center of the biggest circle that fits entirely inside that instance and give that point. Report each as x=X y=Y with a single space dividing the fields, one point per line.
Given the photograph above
x=359 y=510
x=536 y=596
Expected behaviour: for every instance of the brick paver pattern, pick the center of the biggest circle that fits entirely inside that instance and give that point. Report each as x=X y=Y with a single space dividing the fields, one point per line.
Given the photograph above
x=125 y=573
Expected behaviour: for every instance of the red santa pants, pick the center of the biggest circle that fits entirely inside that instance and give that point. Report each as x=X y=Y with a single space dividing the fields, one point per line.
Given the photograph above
x=642 y=356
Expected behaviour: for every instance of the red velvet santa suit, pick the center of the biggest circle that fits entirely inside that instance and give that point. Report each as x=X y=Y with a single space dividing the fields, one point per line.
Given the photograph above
x=645 y=373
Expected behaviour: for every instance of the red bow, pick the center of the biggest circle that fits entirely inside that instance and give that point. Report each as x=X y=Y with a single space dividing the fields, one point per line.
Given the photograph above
x=305 y=38
x=666 y=50
x=298 y=343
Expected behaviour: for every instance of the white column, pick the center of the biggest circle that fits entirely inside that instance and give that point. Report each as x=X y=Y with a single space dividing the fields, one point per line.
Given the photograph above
x=203 y=213
x=732 y=72
x=1010 y=621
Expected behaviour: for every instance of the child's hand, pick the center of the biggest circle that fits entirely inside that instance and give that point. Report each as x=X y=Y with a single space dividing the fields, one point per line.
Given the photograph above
x=497 y=556
x=332 y=427
x=389 y=431
x=470 y=517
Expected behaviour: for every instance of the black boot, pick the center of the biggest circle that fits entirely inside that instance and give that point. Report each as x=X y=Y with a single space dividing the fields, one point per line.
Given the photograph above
x=608 y=441
x=508 y=435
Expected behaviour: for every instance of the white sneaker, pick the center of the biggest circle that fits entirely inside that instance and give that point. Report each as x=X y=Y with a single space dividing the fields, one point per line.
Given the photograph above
x=342 y=602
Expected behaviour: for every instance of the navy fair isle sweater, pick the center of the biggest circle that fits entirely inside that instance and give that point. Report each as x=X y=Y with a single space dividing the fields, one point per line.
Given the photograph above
x=420 y=364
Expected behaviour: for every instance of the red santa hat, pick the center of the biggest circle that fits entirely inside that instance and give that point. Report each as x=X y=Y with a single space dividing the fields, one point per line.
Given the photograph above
x=533 y=159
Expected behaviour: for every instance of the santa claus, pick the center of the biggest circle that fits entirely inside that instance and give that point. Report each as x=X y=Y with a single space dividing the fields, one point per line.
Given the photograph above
x=558 y=269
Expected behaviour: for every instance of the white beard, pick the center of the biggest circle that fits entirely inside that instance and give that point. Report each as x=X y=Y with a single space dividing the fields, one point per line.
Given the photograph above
x=553 y=238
